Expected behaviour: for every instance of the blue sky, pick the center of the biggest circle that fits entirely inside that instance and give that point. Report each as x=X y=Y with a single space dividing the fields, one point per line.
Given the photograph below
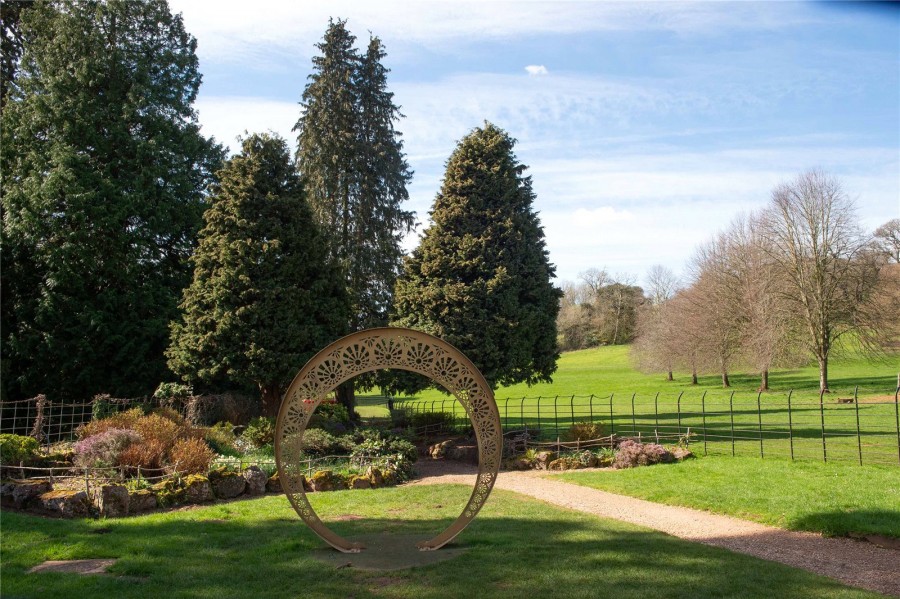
x=647 y=127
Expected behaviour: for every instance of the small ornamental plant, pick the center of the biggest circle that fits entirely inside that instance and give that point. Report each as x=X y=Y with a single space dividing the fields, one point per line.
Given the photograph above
x=632 y=454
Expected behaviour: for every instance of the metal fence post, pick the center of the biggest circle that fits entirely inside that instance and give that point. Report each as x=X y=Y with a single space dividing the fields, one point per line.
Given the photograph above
x=572 y=408
x=656 y=411
x=822 y=418
x=897 y=416
x=790 y=425
x=591 y=407
x=506 y=413
x=731 y=413
x=522 y=412
x=633 y=420
x=703 y=411
x=556 y=419
x=858 y=437
x=539 y=411
x=612 y=425
x=759 y=420
x=678 y=404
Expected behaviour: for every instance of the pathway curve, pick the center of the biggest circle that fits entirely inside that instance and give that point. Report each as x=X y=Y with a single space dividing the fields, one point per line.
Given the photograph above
x=852 y=562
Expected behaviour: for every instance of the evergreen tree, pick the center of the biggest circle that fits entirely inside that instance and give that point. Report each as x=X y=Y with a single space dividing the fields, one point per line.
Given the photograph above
x=11 y=43
x=480 y=278
x=355 y=172
x=104 y=171
x=263 y=299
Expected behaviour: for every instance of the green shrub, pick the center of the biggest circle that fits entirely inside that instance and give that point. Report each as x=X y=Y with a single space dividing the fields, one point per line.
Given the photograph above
x=585 y=431
x=330 y=416
x=319 y=442
x=391 y=454
x=432 y=420
x=168 y=391
x=221 y=439
x=260 y=431
x=17 y=448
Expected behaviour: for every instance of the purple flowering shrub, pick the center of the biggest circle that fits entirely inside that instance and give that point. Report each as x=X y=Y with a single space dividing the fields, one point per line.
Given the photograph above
x=102 y=450
x=632 y=454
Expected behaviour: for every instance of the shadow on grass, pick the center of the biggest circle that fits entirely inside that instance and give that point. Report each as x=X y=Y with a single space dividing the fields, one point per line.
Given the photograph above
x=852 y=522
x=515 y=548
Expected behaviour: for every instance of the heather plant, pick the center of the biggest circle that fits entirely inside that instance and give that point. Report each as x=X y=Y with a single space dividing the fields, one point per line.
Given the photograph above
x=119 y=420
x=191 y=456
x=155 y=427
x=104 y=449
x=632 y=454
x=149 y=454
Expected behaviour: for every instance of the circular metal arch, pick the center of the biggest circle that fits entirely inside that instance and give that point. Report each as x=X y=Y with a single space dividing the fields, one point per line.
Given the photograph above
x=379 y=349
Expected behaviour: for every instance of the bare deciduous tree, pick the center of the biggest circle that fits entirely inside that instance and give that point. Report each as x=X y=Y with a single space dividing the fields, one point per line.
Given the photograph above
x=887 y=240
x=813 y=236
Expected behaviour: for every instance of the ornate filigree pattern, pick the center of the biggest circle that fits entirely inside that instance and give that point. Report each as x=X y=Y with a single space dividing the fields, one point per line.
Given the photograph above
x=378 y=349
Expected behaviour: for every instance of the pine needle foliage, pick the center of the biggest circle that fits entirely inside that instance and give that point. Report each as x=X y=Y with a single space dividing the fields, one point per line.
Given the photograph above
x=264 y=298
x=480 y=278
x=104 y=175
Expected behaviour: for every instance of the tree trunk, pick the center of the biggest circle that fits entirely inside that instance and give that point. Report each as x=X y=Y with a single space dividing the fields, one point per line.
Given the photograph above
x=669 y=377
x=823 y=375
x=764 y=380
x=271 y=400
x=346 y=396
x=725 y=381
x=694 y=376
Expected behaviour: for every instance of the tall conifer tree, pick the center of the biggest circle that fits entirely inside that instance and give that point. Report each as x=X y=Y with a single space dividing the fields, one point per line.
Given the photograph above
x=263 y=299
x=355 y=173
x=104 y=171
x=480 y=278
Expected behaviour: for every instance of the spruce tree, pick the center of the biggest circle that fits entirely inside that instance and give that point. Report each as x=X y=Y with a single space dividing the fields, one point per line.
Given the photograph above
x=104 y=173
x=480 y=278
x=355 y=173
x=263 y=299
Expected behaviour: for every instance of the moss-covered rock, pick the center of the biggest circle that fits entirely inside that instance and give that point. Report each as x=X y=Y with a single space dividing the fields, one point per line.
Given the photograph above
x=168 y=493
x=359 y=482
x=17 y=493
x=197 y=489
x=226 y=484
x=65 y=503
x=142 y=500
x=256 y=480
x=375 y=476
x=273 y=485
x=326 y=480
x=111 y=501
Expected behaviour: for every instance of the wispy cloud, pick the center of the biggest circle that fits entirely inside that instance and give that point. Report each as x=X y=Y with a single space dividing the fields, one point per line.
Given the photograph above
x=230 y=32
x=536 y=70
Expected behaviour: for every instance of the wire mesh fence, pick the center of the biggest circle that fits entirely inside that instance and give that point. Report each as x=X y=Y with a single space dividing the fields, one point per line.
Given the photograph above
x=862 y=427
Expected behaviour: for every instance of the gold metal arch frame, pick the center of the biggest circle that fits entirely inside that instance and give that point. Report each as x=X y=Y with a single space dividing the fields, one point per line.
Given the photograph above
x=379 y=349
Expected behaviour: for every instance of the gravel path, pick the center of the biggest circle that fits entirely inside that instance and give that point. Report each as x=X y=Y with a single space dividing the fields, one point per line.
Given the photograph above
x=852 y=562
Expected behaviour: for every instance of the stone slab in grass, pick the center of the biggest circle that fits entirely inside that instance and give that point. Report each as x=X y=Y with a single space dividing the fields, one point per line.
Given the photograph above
x=385 y=553
x=74 y=566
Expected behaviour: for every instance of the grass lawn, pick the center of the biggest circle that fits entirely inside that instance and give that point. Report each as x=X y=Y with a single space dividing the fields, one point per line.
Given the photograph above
x=258 y=548
x=601 y=385
x=605 y=370
x=834 y=499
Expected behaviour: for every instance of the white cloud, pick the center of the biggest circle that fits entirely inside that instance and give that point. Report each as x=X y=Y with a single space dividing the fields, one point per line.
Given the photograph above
x=226 y=118
x=604 y=215
x=228 y=31
x=535 y=70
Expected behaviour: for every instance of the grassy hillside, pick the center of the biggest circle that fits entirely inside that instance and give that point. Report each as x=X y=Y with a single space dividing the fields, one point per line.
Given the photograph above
x=605 y=370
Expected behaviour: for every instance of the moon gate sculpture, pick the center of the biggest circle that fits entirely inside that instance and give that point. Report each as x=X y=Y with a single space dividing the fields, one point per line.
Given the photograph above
x=379 y=349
